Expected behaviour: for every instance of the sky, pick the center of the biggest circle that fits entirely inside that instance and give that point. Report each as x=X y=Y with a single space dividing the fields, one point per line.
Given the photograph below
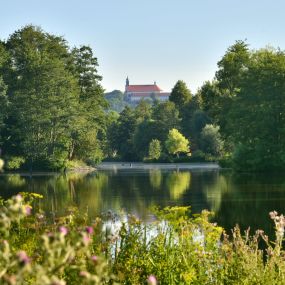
x=152 y=40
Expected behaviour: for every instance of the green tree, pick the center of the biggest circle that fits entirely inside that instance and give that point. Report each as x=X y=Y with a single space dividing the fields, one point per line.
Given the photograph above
x=257 y=119
x=154 y=151
x=191 y=118
x=88 y=136
x=144 y=133
x=43 y=96
x=143 y=111
x=211 y=100
x=122 y=134
x=166 y=117
x=116 y=100
x=176 y=143
x=180 y=94
x=232 y=67
x=211 y=142
x=56 y=103
x=219 y=95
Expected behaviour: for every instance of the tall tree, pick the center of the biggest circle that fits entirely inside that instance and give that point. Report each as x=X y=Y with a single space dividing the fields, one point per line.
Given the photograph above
x=144 y=133
x=189 y=119
x=165 y=117
x=180 y=94
x=257 y=119
x=43 y=96
x=90 y=132
x=143 y=111
x=232 y=67
x=56 y=104
x=123 y=133
x=218 y=96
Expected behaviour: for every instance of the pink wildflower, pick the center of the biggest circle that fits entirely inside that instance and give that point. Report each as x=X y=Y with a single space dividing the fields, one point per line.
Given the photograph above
x=18 y=198
x=28 y=210
x=23 y=258
x=89 y=230
x=94 y=258
x=63 y=230
x=151 y=280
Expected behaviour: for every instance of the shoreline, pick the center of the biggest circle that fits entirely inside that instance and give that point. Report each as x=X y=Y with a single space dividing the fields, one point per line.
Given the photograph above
x=121 y=166
x=149 y=166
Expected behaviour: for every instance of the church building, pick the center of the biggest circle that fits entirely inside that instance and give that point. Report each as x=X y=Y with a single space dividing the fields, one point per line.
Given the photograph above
x=135 y=93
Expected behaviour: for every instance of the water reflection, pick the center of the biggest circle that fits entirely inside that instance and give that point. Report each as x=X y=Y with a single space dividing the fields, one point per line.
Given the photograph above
x=243 y=199
x=155 y=178
x=177 y=184
x=215 y=191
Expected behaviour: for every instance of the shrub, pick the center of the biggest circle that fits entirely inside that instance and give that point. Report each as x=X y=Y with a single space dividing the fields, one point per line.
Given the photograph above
x=14 y=162
x=211 y=142
x=154 y=150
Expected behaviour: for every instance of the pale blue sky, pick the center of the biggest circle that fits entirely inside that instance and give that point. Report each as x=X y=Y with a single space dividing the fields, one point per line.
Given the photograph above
x=153 y=40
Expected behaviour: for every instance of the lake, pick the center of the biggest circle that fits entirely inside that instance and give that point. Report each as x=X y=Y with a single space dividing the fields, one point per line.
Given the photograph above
x=245 y=199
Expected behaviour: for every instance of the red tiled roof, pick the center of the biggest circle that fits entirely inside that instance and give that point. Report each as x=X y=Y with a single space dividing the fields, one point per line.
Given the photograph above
x=147 y=94
x=143 y=88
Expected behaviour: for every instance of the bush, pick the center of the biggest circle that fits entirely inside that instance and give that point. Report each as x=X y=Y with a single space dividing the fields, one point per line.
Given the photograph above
x=72 y=164
x=154 y=150
x=14 y=162
x=211 y=142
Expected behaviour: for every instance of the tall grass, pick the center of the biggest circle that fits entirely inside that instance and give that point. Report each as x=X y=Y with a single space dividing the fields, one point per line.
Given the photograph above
x=177 y=248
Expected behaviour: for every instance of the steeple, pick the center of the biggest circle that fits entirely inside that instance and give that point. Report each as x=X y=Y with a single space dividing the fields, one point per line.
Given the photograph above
x=127 y=81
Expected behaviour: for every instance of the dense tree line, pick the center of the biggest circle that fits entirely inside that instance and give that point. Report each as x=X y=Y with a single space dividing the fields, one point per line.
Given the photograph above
x=164 y=131
x=52 y=103
x=247 y=100
x=54 y=112
x=238 y=117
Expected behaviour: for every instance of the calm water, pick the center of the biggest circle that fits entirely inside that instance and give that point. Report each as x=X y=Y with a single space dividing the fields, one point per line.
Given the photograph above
x=242 y=199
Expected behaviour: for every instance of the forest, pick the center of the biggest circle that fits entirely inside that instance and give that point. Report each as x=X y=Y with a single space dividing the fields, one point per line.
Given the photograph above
x=55 y=113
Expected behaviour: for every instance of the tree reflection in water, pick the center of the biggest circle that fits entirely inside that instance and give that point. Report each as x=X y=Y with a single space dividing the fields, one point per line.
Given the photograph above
x=244 y=199
x=177 y=183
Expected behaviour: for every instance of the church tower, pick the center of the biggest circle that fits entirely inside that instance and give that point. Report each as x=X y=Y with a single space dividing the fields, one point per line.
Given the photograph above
x=127 y=81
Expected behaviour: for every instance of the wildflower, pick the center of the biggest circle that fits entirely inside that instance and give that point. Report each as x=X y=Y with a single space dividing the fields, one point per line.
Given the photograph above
x=89 y=230
x=151 y=280
x=86 y=239
x=63 y=230
x=84 y=274
x=273 y=215
x=19 y=198
x=94 y=258
x=40 y=216
x=23 y=258
x=28 y=210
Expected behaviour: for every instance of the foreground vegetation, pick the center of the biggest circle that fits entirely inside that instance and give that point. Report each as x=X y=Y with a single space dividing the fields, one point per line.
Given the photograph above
x=178 y=248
